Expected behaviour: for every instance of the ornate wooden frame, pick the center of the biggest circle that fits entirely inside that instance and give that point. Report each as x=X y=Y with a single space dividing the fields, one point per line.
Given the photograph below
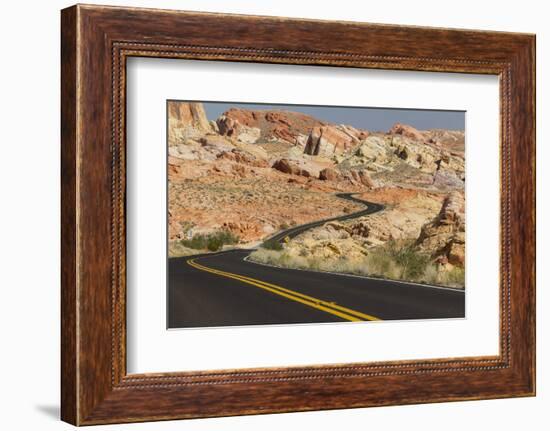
x=96 y=41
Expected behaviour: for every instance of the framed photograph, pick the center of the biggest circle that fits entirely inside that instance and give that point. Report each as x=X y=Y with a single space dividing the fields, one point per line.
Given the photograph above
x=264 y=215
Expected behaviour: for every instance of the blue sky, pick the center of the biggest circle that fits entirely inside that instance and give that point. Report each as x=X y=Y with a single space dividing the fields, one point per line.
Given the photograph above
x=374 y=119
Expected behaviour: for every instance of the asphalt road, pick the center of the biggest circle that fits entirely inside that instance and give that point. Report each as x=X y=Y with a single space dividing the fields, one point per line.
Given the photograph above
x=370 y=208
x=224 y=289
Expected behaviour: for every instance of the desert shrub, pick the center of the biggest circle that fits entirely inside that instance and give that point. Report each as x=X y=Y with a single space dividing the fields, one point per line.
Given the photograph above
x=198 y=242
x=414 y=263
x=212 y=241
x=271 y=244
x=400 y=260
x=283 y=226
x=226 y=237
x=408 y=261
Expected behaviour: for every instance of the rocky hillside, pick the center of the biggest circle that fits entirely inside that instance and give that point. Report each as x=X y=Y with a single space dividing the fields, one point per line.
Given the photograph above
x=253 y=173
x=267 y=126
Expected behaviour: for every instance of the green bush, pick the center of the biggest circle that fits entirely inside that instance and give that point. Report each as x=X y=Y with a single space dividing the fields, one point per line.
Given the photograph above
x=198 y=242
x=213 y=241
x=271 y=244
x=414 y=263
x=400 y=260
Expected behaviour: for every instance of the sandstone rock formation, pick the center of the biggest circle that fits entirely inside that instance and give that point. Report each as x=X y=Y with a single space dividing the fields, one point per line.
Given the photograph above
x=444 y=237
x=330 y=174
x=292 y=167
x=231 y=127
x=374 y=149
x=286 y=126
x=360 y=176
x=186 y=120
x=243 y=157
x=399 y=221
x=330 y=140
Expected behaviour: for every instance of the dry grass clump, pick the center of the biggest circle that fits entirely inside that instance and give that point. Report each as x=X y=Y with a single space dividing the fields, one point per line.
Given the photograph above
x=393 y=260
x=214 y=241
x=283 y=259
x=176 y=249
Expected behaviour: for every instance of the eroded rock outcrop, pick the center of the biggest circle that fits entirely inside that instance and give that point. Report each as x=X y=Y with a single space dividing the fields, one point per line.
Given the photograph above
x=330 y=174
x=407 y=131
x=231 y=127
x=444 y=237
x=360 y=176
x=186 y=120
x=286 y=126
x=291 y=167
x=330 y=140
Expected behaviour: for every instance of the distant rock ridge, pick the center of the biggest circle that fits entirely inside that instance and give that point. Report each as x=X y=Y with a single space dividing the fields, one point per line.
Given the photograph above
x=290 y=127
x=407 y=131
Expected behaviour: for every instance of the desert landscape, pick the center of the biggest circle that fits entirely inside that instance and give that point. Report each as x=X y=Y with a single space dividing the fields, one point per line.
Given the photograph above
x=240 y=180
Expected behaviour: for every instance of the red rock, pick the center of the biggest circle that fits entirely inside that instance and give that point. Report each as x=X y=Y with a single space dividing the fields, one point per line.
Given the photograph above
x=248 y=159
x=407 y=131
x=285 y=166
x=353 y=132
x=228 y=126
x=233 y=128
x=329 y=140
x=289 y=167
x=456 y=254
x=284 y=134
x=281 y=125
x=330 y=174
x=360 y=176
x=365 y=179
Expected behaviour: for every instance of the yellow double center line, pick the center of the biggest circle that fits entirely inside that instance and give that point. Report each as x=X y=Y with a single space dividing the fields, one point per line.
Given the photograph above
x=328 y=307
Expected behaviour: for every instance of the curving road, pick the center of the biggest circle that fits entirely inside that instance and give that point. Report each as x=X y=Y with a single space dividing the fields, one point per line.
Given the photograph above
x=370 y=208
x=225 y=289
